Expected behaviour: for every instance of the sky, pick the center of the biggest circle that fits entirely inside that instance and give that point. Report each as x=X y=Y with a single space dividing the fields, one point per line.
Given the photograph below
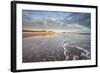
x=56 y=21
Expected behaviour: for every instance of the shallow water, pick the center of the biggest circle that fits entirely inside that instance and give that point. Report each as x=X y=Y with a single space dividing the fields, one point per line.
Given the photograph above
x=58 y=47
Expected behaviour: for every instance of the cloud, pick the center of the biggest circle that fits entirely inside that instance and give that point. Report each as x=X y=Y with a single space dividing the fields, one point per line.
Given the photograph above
x=79 y=22
x=77 y=28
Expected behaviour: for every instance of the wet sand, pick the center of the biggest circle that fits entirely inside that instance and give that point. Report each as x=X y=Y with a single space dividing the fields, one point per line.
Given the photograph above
x=43 y=47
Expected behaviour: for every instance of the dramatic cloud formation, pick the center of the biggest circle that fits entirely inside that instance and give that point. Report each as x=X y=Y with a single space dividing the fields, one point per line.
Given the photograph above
x=52 y=20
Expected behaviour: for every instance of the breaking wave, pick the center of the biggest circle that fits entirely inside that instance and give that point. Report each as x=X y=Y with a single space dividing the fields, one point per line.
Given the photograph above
x=75 y=52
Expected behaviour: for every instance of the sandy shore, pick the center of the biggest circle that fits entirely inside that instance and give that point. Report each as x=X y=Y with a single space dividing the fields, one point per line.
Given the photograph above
x=37 y=33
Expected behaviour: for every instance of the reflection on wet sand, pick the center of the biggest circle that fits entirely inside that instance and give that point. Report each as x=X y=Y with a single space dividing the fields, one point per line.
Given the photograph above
x=55 y=47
